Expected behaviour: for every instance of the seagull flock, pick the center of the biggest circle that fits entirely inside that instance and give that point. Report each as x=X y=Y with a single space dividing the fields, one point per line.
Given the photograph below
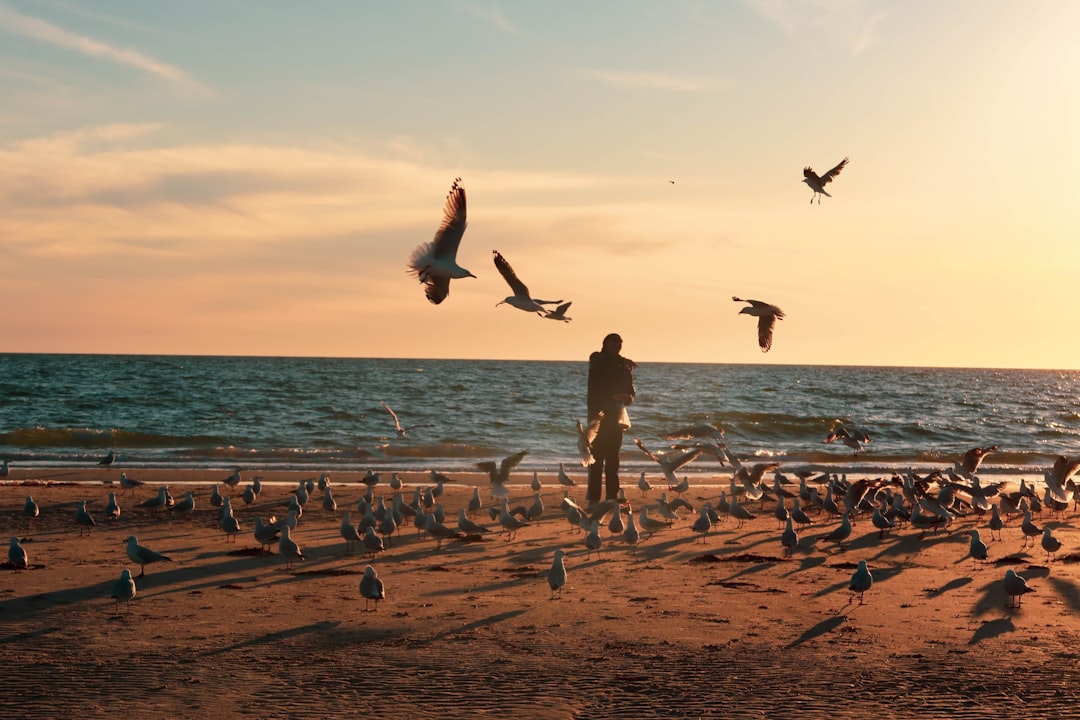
x=813 y=513
x=435 y=263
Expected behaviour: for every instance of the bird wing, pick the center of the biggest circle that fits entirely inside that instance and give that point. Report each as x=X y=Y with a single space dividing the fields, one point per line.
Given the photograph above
x=646 y=451
x=437 y=288
x=827 y=177
x=561 y=310
x=510 y=276
x=764 y=331
x=448 y=236
x=392 y=414
x=812 y=176
x=510 y=462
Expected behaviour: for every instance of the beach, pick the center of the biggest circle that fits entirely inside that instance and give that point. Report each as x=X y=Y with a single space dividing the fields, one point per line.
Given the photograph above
x=671 y=628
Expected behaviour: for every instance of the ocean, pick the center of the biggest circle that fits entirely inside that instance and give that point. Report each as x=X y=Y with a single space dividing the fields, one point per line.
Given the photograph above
x=262 y=413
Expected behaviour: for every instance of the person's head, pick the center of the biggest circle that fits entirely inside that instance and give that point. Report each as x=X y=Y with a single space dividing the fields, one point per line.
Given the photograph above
x=612 y=343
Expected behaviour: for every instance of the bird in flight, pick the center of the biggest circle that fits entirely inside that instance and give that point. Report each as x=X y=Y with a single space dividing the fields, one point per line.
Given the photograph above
x=818 y=183
x=397 y=423
x=521 y=298
x=559 y=313
x=767 y=315
x=435 y=262
x=854 y=438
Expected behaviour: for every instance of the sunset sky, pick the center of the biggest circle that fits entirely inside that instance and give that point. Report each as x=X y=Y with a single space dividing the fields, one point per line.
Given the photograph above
x=249 y=178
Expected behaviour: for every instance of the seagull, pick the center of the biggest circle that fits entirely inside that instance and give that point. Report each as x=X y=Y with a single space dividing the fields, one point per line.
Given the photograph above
x=328 y=502
x=373 y=544
x=789 y=538
x=593 y=541
x=1015 y=587
x=143 y=555
x=499 y=474
x=371 y=587
x=397 y=424
x=348 y=532
x=108 y=459
x=229 y=524
x=973 y=458
x=977 y=548
x=83 y=518
x=564 y=479
x=510 y=523
x=16 y=554
x=650 y=524
x=559 y=313
x=995 y=523
x=288 y=548
x=841 y=532
x=767 y=315
x=1030 y=529
x=701 y=431
x=475 y=503
x=861 y=581
x=643 y=484
x=234 y=479
x=630 y=534
x=521 y=298
x=556 y=576
x=123 y=589
x=435 y=262
x=854 y=439
x=440 y=531
x=31 y=510
x=702 y=525
x=1050 y=544
x=817 y=184
x=127 y=483
x=267 y=535
x=469 y=527
x=586 y=435
x=669 y=464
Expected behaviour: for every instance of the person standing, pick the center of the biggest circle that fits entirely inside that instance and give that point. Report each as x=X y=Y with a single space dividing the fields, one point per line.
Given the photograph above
x=610 y=390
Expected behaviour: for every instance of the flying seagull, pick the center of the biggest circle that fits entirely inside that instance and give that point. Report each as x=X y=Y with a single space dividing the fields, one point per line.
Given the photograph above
x=817 y=184
x=397 y=424
x=767 y=315
x=559 y=313
x=521 y=298
x=435 y=262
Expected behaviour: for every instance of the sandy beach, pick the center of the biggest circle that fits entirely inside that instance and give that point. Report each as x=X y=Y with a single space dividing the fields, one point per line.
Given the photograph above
x=672 y=628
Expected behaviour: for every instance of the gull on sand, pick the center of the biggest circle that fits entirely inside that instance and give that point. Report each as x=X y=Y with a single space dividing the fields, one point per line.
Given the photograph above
x=371 y=588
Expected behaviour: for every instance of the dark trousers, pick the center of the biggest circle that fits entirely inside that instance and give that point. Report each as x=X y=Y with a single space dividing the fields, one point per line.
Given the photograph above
x=605 y=450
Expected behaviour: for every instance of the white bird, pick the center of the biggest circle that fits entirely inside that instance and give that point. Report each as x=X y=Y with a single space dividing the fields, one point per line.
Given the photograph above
x=401 y=430
x=564 y=479
x=585 y=437
x=616 y=525
x=288 y=548
x=229 y=524
x=559 y=313
x=16 y=554
x=371 y=588
x=31 y=510
x=498 y=475
x=861 y=581
x=995 y=524
x=556 y=576
x=521 y=298
x=127 y=483
x=643 y=484
x=123 y=589
x=854 y=439
x=435 y=262
x=669 y=463
x=767 y=316
x=348 y=532
x=650 y=524
x=158 y=501
x=83 y=518
x=1050 y=544
x=266 y=535
x=1015 y=587
x=142 y=555
x=536 y=486
x=817 y=183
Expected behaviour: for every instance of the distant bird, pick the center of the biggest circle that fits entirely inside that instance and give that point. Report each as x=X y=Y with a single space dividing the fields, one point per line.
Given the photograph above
x=565 y=480
x=669 y=463
x=468 y=526
x=995 y=523
x=861 y=581
x=107 y=460
x=328 y=502
x=969 y=465
x=288 y=548
x=556 y=576
x=630 y=534
x=228 y=522
x=767 y=316
x=440 y=532
x=435 y=262
x=818 y=183
x=1015 y=587
x=16 y=554
x=521 y=299
x=703 y=524
x=700 y=431
x=348 y=532
x=586 y=434
x=854 y=439
x=373 y=544
x=475 y=503
x=1030 y=529
x=401 y=431
x=371 y=588
x=143 y=555
x=977 y=548
x=840 y=533
x=266 y=535
x=128 y=483
x=650 y=524
x=83 y=518
x=559 y=313
x=216 y=499
x=510 y=523
x=123 y=590
x=234 y=479
x=31 y=511
x=643 y=484
x=1050 y=544
x=593 y=541
x=536 y=485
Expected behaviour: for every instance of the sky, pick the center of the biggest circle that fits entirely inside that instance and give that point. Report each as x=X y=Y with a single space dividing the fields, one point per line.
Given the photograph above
x=242 y=177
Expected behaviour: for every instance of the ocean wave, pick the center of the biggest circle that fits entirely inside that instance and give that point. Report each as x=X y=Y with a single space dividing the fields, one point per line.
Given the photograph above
x=45 y=437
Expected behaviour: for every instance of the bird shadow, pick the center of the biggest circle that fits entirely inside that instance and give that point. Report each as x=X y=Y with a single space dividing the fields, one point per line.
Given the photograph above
x=275 y=637
x=991 y=629
x=825 y=626
x=469 y=627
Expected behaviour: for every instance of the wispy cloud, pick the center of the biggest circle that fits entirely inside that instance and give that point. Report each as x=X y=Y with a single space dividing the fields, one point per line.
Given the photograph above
x=849 y=24
x=490 y=12
x=649 y=80
x=17 y=23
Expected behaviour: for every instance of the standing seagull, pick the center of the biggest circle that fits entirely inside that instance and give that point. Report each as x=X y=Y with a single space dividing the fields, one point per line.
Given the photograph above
x=521 y=299
x=143 y=555
x=1015 y=587
x=817 y=184
x=861 y=581
x=767 y=315
x=435 y=262
x=557 y=574
x=123 y=589
x=371 y=588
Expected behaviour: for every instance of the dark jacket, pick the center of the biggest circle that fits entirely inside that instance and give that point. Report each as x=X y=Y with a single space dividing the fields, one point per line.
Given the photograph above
x=609 y=375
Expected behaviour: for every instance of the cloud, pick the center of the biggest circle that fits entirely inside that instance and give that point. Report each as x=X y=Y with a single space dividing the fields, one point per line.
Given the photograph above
x=849 y=24
x=16 y=23
x=649 y=80
x=492 y=13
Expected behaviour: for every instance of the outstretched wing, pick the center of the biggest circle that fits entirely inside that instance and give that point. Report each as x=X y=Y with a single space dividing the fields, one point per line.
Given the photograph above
x=393 y=414
x=646 y=451
x=437 y=288
x=448 y=236
x=510 y=276
x=765 y=325
x=510 y=462
x=812 y=176
x=827 y=177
